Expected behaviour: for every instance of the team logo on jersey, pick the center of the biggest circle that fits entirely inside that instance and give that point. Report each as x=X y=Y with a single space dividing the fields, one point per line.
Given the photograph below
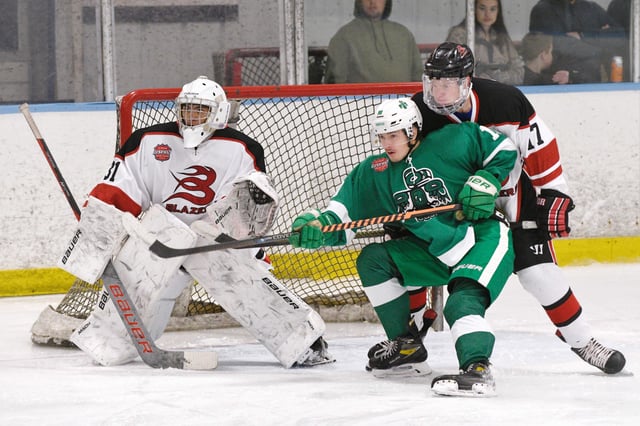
x=380 y=164
x=162 y=152
x=193 y=186
x=422 y=190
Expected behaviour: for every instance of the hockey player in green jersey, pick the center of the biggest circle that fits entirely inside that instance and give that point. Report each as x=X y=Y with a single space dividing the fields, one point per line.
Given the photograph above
x=473 y=257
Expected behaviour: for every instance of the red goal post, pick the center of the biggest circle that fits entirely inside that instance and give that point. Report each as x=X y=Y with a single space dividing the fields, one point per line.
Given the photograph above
x=313 y=135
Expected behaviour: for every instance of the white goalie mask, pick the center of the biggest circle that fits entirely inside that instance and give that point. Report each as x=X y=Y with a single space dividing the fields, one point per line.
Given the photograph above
x=201 y=109
x=395 y=114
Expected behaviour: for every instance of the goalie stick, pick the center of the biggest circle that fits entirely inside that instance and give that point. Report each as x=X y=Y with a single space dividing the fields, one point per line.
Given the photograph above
x=150 y=353
x=24 y=109
x=225 y=242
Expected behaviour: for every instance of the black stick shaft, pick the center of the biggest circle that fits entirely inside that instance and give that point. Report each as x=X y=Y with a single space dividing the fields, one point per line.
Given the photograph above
x=24 y=109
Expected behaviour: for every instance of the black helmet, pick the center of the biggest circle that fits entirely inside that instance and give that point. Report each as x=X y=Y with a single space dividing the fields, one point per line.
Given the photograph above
x=450 y=60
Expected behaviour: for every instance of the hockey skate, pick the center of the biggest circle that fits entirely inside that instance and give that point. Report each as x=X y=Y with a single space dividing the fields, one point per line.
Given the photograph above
x=404 y=356
x=317 y=354
x=475 y=381
x=608 y=360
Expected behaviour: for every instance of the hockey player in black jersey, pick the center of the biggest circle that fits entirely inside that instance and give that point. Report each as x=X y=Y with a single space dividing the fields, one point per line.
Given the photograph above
x=534 y=198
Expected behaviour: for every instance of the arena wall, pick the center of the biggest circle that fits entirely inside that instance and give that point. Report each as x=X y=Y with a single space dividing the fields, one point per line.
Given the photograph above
x=597 y=126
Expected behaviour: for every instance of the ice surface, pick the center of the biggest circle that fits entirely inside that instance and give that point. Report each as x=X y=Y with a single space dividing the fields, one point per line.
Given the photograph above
x=539 y=380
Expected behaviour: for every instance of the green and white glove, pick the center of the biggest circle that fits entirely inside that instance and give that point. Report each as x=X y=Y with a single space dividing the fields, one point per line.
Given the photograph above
x=478 y=195
x=306 y=228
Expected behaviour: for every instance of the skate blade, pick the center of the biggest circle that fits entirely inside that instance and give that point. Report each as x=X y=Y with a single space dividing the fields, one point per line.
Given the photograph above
x=450 y=388
x=417 y=369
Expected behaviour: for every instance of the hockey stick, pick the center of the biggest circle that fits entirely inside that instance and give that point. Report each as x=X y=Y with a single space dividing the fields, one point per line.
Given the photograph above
x=165 y=251
x=150 y=353
x=24 y=109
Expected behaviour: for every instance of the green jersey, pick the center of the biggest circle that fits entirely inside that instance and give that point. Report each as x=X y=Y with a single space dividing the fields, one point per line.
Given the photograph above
x=432 y=175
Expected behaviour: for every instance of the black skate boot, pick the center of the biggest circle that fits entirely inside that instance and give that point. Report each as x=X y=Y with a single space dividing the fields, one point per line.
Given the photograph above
x=476 y=380
x=428 y=318
x=317 y=354
x=404 y=356
x=608 y=360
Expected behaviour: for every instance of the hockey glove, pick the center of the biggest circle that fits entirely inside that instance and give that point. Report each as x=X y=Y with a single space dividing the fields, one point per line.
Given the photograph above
x=478 y=195
x=553 y=213
x=306 y=228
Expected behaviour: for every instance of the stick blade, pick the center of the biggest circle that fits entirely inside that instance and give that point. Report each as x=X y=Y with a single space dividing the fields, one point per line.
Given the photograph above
x=181 y=360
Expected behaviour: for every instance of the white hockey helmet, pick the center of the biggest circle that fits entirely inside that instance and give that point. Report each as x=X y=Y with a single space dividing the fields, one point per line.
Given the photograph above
x=198 y=93
x=395 y=114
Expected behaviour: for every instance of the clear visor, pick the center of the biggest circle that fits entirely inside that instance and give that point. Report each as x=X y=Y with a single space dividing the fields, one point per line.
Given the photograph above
x=399 y=137
x=393 y=139
x=445 y=95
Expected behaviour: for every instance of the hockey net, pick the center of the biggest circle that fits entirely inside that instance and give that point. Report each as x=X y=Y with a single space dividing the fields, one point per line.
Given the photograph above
x=312 y=137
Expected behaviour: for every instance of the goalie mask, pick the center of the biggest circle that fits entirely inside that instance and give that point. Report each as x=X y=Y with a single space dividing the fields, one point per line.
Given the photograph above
x=201 y=108
x=447 y=69
x=395 y=114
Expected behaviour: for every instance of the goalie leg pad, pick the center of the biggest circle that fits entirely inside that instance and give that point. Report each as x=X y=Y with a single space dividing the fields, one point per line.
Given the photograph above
x=98 y=237
x=153 y=284
x=273 y=314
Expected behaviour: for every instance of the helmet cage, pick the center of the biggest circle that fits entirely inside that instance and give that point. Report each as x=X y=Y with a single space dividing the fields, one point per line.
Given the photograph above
x=464 y=89
x=395 y=114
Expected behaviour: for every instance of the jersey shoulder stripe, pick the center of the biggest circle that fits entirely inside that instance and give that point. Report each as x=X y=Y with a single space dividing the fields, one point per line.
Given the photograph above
x=252 y=146
x=133 y=143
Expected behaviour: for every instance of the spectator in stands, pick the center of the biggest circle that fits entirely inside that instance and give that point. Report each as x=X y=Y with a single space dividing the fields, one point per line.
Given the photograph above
x=496 y=56
x=537 y=52
x=371 y=48
x=620 y=12
x=585 y=36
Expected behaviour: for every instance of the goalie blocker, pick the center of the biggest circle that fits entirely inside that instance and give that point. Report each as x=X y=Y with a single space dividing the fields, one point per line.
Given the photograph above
x=241 y=284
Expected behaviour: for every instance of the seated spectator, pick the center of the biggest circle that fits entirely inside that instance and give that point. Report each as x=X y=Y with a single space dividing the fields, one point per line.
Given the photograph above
x=585 y=36
x=620 y=12
x=371 y=48
x=496 y=56
x=537 y=52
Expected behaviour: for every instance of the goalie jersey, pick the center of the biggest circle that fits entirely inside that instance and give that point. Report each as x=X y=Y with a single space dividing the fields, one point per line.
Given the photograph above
x=153 y=167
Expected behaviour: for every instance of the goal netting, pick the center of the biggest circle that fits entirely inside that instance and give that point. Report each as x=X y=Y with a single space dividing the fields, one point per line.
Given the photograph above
x=312 y=137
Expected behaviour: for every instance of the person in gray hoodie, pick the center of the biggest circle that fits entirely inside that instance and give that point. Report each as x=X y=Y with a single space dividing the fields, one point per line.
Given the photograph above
x=371 y=48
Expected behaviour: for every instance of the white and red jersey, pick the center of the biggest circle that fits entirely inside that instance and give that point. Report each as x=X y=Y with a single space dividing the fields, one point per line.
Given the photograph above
x=505 y=108
x=153 y=167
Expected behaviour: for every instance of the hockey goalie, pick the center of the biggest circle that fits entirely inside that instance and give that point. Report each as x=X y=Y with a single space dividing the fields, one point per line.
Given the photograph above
x=185 y=183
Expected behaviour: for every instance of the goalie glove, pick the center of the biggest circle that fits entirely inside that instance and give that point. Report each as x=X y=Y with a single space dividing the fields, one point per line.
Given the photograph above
x=478 y=195
x=248 y=210
x=553 y=213
x=306 y=228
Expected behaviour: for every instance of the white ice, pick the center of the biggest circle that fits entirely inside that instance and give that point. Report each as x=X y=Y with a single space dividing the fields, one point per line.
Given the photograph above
x=539 y=380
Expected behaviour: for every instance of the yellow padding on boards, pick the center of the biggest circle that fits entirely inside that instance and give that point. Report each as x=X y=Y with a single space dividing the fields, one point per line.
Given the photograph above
x=32 y=282
x=327 y=265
